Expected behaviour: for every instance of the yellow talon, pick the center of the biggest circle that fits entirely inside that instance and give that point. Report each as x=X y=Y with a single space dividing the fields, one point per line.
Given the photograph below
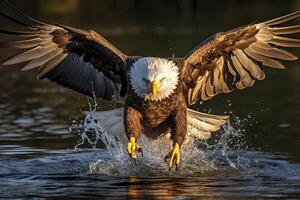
x=132 y=147
x=175 y=156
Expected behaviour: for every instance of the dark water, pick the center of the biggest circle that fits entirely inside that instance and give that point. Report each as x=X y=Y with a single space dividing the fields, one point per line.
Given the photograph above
x=257 y=158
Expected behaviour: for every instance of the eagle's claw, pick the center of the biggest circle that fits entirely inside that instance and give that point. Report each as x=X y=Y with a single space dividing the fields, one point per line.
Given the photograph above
x=174 y=156
x=132 y=147
x=140 y=150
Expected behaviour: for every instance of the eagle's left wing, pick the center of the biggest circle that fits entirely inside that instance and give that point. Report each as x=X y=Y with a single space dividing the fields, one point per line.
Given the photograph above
x=233 y=60
x=76 y=59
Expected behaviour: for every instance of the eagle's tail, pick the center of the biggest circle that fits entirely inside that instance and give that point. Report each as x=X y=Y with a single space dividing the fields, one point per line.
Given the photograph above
x=200 y=125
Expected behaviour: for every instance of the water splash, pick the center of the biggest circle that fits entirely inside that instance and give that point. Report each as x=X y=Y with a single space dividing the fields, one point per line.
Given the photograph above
x=197 y=158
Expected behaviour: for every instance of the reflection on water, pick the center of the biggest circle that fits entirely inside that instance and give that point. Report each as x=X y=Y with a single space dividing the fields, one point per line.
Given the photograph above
x=37 y=157
x=68 y=175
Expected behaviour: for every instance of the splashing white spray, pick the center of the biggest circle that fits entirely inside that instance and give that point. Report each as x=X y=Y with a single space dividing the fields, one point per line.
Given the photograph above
x=198 y=157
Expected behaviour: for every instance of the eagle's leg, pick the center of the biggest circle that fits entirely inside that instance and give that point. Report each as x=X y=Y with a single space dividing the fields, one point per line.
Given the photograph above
x=132 y=147
x=174 y=157
x=133 y=128
x=178 y=133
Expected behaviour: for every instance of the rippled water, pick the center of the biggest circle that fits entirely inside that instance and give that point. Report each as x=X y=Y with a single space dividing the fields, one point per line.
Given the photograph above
x=44 y=147
x=221 y=168
x=70 y=175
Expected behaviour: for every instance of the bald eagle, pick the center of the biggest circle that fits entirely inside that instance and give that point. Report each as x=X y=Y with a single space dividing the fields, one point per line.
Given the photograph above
x=156 y=92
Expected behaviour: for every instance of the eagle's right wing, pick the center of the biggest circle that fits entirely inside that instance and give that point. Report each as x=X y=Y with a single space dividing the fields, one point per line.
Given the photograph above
x=80 y=60
x=233 y=60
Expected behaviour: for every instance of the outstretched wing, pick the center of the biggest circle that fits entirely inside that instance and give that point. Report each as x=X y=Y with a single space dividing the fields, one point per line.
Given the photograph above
x=80 y=60
x=233 y=60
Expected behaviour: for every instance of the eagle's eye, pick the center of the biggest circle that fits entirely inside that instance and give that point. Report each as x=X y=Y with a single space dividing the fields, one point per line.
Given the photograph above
x=162 y=79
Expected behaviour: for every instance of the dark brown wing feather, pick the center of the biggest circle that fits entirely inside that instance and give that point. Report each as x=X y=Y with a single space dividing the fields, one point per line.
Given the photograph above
x=80 y=60
x=233 y=60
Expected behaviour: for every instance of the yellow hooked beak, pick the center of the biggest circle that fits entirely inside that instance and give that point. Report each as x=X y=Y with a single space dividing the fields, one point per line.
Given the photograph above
x=155 y=87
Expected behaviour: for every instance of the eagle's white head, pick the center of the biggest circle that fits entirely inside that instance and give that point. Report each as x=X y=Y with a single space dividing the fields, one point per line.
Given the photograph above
x=154 y=79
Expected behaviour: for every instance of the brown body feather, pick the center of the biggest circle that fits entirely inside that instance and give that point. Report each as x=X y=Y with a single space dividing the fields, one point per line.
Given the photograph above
x=156 y=118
